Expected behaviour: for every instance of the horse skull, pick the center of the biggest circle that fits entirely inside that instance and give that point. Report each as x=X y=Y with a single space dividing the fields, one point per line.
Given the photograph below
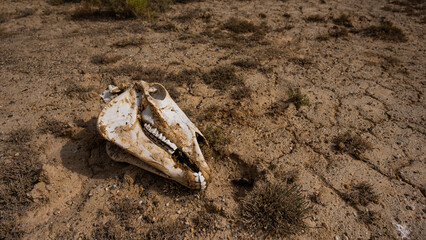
x=149 y=130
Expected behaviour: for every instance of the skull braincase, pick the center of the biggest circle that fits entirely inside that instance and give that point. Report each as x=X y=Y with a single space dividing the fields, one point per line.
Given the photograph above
x=153 y=133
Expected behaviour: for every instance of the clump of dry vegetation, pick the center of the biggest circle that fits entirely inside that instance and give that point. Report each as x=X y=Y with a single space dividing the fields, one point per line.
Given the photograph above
x=248 y=63
x=386 y=31
x=20 y=171
x=216 y=137
x=241 y=93
x=298 y=99
x=301 y=61
x=103 y=59
x=275 y=209
x=315 y=18
x=335 y=33
x=343 y=20
x=93 y=9
x=185 y=76
x=361 y=194
x=164 y=27
x=352 y=144
x=129 y=42
x=368 y=217
x=174 y=231
x=109 y=230
x=240 y=26
x=222 y=77
x=56 y=128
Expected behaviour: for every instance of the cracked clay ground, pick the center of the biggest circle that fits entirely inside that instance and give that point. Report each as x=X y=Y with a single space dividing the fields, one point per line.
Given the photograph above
x=364 y=124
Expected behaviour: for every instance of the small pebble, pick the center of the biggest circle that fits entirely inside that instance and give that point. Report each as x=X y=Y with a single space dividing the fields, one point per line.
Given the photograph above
x=167 y=204
x=178 y=211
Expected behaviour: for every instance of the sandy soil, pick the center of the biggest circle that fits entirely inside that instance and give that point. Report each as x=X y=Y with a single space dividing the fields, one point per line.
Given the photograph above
x=52 y=68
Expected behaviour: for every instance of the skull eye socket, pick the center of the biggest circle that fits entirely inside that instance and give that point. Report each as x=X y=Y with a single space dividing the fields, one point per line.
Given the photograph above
x=158 y=92
x=200 y=138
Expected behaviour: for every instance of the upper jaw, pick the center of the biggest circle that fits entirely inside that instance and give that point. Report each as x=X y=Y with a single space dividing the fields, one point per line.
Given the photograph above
x=156 y=133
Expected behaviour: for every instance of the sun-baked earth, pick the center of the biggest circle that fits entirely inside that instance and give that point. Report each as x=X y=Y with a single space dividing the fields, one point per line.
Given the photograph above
x=327 y=97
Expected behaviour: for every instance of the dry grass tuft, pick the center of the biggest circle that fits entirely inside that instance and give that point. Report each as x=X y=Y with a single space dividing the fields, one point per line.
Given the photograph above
x=103 y=59
x=241 y=93
x=276 y=209
x=385 y=32
x=56 y=128
x=368 y=217
x=248 y=63
x=361 y=194
x=215 y=137
x=20 y=171
x=119 y=9
x=129 y=42
x=240 y=26
x=184 y=76
x=343 y=20
x=304 y=62
x=299 y=99
x=315 y=18
x=352 y=144
x=222 y=77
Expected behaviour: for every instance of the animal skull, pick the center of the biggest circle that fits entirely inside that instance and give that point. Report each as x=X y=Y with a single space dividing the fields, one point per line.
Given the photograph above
x=149 y=130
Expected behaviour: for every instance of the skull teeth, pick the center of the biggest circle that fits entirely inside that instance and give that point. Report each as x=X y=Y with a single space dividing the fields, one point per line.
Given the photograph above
x=160 y=137
x=199 y=179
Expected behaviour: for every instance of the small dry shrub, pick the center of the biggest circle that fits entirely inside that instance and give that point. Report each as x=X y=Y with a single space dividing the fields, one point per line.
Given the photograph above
x=163 y=27
x=240 y=26
x=20 y=171
x=205 y=220
x=222 y=77
x=248 y=63
x=343 y=20
x=76 y=91
x=368 y=217
x=361 y=194
x=125 y=210
x=315 y=18
x=298 y=99
x=215 y=137
x=174 y=231
x=103 y=59
x=301 y=61
x=338 y=33
x=94 y=9
x=184 y=76
x=241 y=93
x=334 y=32
x=278 y=210
x=386 y=32
x=352 y=144
x=152 y=74
x=20 y=136
x=129 y=42
x=110 y=230
x=56 y=128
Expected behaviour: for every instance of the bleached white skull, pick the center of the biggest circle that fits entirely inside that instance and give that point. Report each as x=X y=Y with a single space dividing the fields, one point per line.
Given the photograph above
x=153 y=133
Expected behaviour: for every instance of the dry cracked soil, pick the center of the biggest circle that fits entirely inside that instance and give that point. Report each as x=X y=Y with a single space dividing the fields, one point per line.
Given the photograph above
x=324 y=95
